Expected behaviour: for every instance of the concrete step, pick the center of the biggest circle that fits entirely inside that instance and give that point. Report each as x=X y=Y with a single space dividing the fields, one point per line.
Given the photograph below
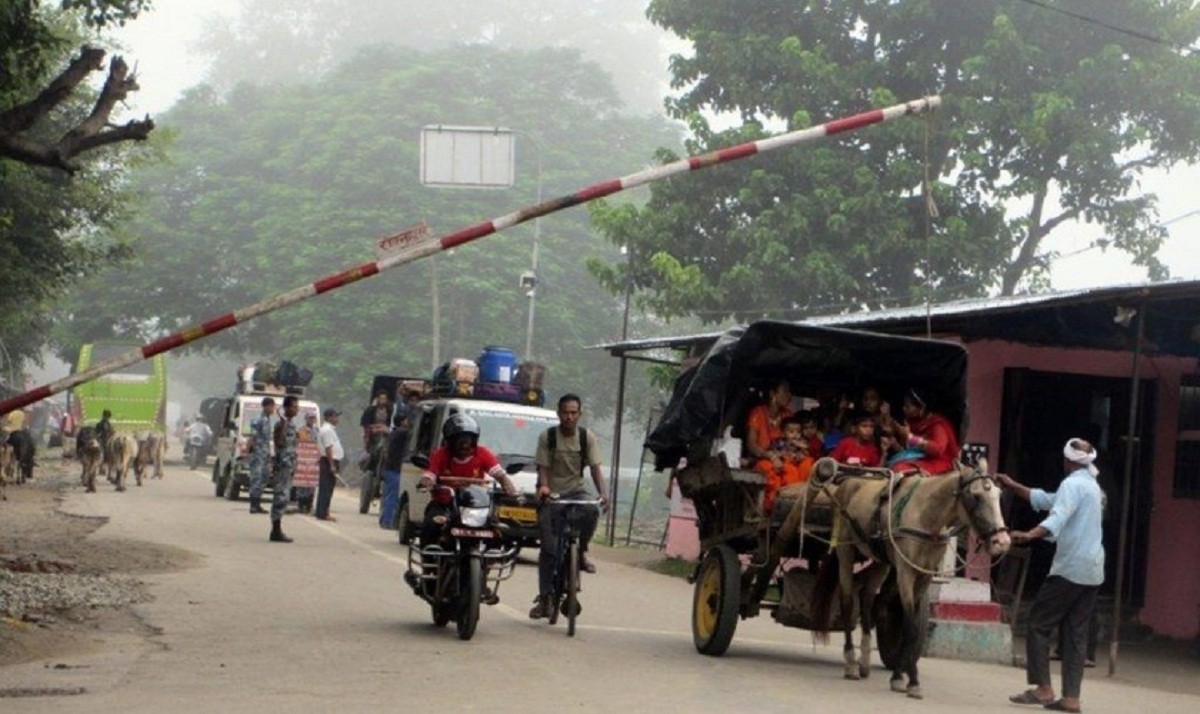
x=971 y=641
x=959 y=590
x=965 y=611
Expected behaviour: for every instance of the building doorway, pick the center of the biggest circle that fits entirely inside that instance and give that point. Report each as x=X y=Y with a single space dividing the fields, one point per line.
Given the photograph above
x=1040 y=411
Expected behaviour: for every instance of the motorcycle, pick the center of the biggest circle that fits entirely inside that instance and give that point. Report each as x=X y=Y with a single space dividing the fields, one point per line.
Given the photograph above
x=195 y=450
x=454 y=571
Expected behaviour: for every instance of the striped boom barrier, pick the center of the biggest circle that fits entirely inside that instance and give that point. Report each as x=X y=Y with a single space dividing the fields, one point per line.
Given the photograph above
x=422 y=248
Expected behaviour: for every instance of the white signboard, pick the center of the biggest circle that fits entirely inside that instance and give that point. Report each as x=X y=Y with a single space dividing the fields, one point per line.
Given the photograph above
x=467 y=156
x=390 y=245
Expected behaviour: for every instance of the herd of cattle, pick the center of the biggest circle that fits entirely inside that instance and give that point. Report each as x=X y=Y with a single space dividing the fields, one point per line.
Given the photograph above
x=142 y=453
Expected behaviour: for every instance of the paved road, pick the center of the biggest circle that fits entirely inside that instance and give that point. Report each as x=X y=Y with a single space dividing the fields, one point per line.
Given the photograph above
x=326 y=624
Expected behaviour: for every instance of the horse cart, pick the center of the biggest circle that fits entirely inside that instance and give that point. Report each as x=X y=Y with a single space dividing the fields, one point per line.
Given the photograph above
x=752 y=561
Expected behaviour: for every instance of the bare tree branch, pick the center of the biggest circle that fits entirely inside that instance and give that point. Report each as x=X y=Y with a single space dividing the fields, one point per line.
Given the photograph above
x=23 y=116
x=93 y=132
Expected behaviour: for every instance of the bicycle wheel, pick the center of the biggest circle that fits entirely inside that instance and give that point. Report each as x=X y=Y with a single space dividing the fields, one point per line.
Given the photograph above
x=572 y=588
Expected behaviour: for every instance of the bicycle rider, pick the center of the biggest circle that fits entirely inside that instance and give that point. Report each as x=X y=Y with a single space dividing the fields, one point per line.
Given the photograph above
x=561 y=462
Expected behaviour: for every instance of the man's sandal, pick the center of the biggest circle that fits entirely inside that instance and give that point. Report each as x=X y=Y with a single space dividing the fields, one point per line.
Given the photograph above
x=1058 y=706
x=1030 y=697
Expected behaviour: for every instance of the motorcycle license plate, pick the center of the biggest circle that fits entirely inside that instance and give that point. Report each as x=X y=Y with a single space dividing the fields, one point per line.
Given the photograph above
x=472 y=533
x=518 y=513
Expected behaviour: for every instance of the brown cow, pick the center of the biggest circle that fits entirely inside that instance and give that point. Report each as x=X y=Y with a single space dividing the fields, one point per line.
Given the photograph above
x=122 y=451
x=151 y=449
x=90 y=454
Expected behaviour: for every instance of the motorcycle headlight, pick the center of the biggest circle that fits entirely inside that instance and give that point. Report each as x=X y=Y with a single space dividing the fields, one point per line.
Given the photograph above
x=474 y=517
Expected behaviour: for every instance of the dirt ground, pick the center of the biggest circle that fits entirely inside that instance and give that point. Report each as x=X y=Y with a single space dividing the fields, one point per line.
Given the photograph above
x=36 y=536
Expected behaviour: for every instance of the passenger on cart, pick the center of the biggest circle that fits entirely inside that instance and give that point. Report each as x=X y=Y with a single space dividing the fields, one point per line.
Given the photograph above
x=859 y=448
x=927 y=439
x=764 y=425
x=796 y=464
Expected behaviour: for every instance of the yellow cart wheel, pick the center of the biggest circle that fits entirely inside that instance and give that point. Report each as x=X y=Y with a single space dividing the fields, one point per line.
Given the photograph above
x=715 y=605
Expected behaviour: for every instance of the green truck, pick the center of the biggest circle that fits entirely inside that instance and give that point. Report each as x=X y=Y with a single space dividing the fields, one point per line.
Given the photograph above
x=136 y=395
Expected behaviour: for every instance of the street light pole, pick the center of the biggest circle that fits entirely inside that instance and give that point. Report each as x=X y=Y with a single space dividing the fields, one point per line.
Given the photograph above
x=537 y=226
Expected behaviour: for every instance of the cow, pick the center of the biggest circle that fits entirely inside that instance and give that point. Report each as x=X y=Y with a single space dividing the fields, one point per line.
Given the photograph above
x=24 y=450
x=151 y=449
x=122 y=451
x=90 y=454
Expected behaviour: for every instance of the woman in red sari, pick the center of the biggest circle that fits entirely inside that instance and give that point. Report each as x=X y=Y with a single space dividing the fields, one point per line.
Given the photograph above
x=928 y=438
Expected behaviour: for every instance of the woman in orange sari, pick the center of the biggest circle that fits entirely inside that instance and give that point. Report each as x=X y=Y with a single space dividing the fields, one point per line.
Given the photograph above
x=764 y=437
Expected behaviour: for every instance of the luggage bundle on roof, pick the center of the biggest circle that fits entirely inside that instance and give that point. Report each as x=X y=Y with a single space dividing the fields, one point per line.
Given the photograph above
x=268 y=378
x=496 y=375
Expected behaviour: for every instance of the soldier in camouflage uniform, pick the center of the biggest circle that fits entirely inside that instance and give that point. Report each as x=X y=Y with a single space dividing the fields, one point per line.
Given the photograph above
x=286 y=437
x=261 y=431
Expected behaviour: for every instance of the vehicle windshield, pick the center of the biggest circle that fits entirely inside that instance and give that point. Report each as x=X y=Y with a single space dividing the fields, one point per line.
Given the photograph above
x=507 y=433
x=252 y=410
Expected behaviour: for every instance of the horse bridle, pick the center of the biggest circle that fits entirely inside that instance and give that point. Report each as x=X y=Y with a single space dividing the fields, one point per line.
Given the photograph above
x=964 y=482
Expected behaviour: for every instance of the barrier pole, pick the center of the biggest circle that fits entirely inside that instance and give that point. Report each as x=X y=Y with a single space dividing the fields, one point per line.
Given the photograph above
x=419 y=248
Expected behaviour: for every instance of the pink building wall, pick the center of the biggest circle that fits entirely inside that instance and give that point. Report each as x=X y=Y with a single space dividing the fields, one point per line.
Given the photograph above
x=1173 y=570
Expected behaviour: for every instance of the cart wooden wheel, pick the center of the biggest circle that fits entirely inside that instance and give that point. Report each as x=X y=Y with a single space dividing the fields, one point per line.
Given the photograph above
x=715 y=607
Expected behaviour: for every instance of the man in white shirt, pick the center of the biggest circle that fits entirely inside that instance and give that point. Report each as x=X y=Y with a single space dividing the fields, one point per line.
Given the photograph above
x=331 y=462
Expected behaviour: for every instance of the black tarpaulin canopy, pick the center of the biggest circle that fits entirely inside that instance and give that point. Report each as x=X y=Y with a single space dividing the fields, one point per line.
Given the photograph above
x=721 y=389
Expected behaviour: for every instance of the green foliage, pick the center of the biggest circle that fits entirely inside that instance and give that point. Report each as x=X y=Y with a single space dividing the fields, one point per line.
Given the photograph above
x=1046 y=120
x=54 y=229
x=267 y=189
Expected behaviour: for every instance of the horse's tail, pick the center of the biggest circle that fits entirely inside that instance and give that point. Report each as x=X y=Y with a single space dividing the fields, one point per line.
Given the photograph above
x=823 y=593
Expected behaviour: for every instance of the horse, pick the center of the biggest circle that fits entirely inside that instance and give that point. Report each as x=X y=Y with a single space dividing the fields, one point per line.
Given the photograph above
x=900 y=522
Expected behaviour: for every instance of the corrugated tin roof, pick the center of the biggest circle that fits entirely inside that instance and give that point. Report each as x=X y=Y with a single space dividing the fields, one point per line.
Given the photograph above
x=949 y=311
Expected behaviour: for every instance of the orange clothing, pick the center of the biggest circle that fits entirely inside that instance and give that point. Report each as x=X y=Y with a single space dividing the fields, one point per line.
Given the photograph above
x=767 y=430
x=795 y=470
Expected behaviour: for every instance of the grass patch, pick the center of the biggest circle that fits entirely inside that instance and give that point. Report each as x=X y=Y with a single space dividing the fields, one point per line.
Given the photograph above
x=675 y=567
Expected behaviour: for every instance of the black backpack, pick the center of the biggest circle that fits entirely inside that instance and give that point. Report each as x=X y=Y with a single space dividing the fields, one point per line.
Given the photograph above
x=552 y=442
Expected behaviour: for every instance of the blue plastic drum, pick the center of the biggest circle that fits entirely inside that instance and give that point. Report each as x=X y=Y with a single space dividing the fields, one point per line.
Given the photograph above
x=497 y=364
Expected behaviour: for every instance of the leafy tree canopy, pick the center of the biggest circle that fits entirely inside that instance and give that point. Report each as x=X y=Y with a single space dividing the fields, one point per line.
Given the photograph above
x=268 y=188
x=55 y=226
x=1047 y=119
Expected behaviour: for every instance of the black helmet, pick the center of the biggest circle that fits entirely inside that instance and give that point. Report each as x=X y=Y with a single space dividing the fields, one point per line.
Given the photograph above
x=457 y=425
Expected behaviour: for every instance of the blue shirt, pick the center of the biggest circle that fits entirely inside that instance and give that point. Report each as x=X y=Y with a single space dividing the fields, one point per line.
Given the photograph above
x=1075 y=524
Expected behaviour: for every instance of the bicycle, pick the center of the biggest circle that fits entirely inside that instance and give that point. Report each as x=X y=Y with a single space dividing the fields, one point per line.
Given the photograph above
x=564 y=592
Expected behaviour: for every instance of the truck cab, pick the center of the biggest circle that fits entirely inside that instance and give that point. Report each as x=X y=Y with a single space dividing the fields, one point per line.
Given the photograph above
x=509 y=430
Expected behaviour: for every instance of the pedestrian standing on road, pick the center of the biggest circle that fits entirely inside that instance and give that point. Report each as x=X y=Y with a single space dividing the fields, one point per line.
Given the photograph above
x=1068 y=597
x=331 y=462
x=393 y=460
x=304 y=496
x=564 y=452
x=104 y=434
x=285 y=465
x=261 y=429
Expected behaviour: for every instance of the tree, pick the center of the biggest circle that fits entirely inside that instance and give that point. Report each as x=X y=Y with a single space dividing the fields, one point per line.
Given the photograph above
x=267 y=188
x=34 y=41
x=56 y=224
x=1047 y=119
x=294 y=40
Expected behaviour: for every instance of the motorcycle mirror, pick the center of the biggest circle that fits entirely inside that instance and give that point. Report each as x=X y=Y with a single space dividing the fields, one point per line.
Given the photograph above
x=515 y=467
x=421 y=461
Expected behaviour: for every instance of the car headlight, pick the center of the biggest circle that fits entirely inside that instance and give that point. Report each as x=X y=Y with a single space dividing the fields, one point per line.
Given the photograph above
x=475 y=517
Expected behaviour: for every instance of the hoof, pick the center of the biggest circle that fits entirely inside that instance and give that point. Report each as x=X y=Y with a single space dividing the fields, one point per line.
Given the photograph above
x=852 y=676
x=915 y=693
x=898 y=686
x=864 y=672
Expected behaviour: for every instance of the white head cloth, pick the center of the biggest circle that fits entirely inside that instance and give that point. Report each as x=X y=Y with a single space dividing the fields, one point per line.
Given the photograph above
x=1083 y=458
